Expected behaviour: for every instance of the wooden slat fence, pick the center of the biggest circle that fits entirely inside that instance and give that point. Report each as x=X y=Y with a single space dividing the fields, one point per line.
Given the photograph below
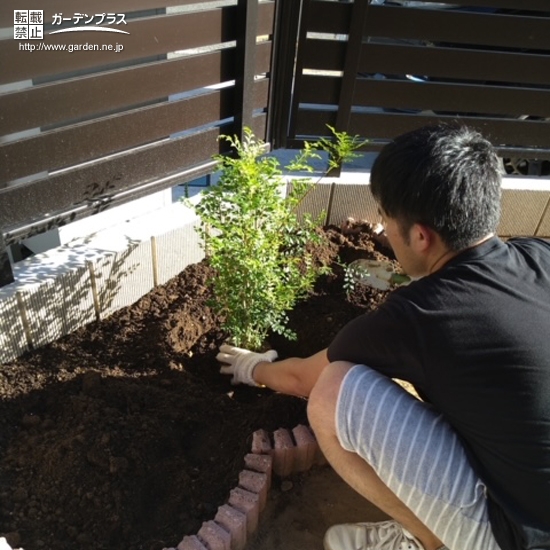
x=378 y=69
x=85 y=130
x=88 y=129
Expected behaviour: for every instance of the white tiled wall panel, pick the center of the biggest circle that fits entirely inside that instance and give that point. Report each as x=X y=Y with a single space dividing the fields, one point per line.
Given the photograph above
x=122 y=278
x=544 y=228
x=522 y=211
x=13 y=341
x=55 y=288
x=43 y=307
x=59 y=305
x=353 y=200
x=175 y=250
x=316 y=201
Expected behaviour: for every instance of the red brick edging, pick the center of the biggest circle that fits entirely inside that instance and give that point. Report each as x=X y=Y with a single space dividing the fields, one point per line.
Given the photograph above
x=284 y=453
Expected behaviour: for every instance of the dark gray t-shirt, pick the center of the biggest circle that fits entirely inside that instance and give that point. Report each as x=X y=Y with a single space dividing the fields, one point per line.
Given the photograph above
x=474 y=339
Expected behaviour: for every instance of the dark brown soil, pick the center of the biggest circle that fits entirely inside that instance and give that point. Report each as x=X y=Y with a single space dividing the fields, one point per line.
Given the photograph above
x=124 y=434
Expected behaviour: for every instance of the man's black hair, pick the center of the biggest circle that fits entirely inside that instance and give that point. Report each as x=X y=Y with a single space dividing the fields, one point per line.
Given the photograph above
x=445 y=177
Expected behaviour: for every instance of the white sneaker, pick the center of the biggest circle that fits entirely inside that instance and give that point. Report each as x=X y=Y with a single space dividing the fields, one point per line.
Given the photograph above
x=384 y=535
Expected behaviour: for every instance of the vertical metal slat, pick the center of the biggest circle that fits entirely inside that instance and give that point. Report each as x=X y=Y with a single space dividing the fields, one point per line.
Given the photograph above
x=247 y=19
x=287 y=19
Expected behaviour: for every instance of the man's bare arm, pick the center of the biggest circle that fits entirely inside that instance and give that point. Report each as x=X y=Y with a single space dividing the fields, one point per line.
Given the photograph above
x=293 y=376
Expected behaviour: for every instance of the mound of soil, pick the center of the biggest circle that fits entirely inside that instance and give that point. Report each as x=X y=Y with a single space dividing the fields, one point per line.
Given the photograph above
x=123 y=434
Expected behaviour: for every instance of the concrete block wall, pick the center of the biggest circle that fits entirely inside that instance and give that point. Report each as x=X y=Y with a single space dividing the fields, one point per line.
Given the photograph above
x=13 y=340
x=60 y=290
x=89 y=278
x=525 y=203
x=525 y=207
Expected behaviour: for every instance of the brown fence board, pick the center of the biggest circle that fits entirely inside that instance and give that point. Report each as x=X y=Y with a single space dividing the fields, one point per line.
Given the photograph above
x=385 y=126
x=454 y=98
x=334 y=17
x=503 y=151
x=441 y=62
x=329 y=17
x=533 y=5
x=521 y=68
x=312 y=122
x=458 y=27
x=149 y=36
x=404 y=94
x=85 y=96
x=501 y=132
x=93 y=185
x=320 y=89
x=83 y=142
x=327 y=55
x=70 y=7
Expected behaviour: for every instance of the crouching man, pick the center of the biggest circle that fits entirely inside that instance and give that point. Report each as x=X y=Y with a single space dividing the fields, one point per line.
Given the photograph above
x=468 y=466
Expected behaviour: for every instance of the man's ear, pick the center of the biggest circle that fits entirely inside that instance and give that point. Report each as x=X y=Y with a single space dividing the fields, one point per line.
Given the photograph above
x=422 y=238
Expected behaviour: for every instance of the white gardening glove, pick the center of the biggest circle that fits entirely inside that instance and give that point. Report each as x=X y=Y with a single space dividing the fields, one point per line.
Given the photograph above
x=241 y=363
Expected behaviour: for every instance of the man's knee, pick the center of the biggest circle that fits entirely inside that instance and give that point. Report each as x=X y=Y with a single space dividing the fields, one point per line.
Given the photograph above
x=321 y=409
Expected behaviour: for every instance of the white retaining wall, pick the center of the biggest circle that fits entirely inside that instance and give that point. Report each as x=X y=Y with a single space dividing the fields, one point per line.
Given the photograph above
x=89 y=278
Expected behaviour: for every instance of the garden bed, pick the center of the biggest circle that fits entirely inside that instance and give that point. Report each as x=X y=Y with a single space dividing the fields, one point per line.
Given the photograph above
x=124 y=434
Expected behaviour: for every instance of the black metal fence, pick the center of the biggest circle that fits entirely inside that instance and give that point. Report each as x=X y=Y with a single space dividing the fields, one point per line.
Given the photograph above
x=381 y=68
x=86 y=128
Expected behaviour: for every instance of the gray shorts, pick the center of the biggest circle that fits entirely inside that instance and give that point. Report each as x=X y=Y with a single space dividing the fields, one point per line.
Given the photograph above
x=417 y=454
